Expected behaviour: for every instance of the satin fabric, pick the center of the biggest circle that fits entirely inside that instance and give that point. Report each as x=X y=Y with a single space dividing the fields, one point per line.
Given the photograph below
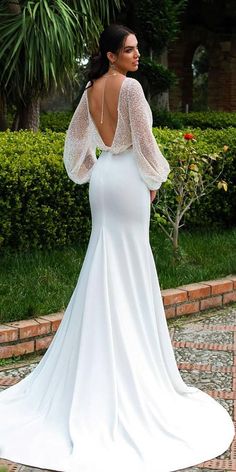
x=107 y=395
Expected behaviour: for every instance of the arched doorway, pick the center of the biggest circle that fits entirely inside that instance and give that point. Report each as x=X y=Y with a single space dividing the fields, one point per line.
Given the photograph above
x=200 y=68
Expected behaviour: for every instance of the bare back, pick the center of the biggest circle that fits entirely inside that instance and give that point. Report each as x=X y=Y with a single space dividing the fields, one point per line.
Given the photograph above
x=105 y=107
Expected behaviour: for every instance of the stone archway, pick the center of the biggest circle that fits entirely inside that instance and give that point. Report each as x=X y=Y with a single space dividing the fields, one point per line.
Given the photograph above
x=180 y=58
x=200 y=69
x=220 y=43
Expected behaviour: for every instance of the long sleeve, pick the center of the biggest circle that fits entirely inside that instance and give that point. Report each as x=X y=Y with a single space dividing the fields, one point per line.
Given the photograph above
x=152 y=165
x=79 y=154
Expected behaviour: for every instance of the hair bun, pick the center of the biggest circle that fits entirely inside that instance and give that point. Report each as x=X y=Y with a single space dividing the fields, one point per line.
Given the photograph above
x=97 y=57
x=111 y=39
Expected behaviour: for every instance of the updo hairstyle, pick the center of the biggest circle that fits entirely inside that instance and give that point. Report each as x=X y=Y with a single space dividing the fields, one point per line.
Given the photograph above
x=111 y=39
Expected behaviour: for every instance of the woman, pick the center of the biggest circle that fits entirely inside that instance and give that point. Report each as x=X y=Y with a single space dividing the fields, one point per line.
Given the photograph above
x=107 y=395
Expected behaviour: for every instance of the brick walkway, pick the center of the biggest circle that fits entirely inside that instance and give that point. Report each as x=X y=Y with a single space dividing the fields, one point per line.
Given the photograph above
x=205 y=350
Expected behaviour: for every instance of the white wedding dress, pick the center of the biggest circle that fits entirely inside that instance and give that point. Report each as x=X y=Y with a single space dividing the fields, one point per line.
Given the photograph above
x=107 y=396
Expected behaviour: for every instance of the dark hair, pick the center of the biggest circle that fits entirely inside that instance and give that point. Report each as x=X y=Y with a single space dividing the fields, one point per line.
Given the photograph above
x=111 y=39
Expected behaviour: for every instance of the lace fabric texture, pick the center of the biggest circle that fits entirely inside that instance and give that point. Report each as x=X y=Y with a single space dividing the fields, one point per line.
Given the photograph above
x=134 y=128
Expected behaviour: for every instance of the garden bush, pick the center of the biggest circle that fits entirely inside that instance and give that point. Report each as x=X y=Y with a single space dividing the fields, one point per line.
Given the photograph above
x=202 y=120
x=218 y=207
x=59 y=121
x=41 y=207
x=55 y=121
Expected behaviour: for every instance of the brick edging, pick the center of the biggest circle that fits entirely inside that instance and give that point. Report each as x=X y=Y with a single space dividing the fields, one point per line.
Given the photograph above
x=34 y=335
x=197 y=297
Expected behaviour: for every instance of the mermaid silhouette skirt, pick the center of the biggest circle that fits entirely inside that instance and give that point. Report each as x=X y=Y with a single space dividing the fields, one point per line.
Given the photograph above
x=107 y=395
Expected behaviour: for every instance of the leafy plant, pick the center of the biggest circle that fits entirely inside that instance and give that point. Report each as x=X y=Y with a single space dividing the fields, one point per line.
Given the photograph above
x=40 y=41
x=203 y=120
x=190 y=178
x=41 y=207
x=157 y=23
x=159 y=78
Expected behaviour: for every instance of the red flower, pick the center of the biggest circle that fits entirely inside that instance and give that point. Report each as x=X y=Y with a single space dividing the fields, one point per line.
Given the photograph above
x=188 y=136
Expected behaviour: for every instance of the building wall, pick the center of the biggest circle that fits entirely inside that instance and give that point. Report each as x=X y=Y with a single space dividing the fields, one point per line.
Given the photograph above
x=211 y=28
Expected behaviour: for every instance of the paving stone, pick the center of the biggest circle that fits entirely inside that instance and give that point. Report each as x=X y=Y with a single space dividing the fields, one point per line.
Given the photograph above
x=32 y=469
x=226 y=316
x=225 y=455
x=193 y=335
x=208 y=380
x=196 y=469
x=20 y=372
x=227 y=404
x=204 y=357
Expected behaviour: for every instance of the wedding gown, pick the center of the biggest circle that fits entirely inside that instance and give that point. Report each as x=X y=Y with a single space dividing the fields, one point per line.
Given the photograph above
x=107 y=395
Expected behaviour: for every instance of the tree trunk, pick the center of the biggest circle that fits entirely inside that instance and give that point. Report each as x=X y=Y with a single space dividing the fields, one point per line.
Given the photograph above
x=3 y=112
x=176 y=231
x=151 y=53
x=14 y=6
x=148 y=94
x=29 y=115
x=163 y=98
x=176 y=238
x=15 y=123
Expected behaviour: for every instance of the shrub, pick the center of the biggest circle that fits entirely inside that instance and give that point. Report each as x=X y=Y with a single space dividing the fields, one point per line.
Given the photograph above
x=41 y=207
x=55 y=121
x=192 y=176
x=218 y=208
x=59 y=121
x=202 y=120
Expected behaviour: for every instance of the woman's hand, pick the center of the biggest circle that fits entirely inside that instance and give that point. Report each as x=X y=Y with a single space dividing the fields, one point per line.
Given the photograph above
x=152 y=195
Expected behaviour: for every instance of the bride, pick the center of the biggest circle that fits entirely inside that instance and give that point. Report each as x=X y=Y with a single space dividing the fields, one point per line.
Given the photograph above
x=107 y=395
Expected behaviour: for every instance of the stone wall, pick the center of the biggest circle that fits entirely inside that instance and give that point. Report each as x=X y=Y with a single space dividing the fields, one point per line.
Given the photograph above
x=210 y=25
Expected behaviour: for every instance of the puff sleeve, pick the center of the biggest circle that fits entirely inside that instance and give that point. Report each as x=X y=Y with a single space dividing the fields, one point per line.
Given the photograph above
x=152 y=165
x=79 y=153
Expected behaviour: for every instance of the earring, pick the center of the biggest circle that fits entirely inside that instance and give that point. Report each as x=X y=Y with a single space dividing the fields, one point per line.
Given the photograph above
x=112 y=65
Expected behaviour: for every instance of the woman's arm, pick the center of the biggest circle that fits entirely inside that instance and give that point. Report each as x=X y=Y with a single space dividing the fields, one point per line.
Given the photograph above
x=152 y=195
x=79 y=155
x=152 y=165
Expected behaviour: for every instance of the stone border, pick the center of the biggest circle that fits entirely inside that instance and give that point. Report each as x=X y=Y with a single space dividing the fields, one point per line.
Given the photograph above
x=35 y=335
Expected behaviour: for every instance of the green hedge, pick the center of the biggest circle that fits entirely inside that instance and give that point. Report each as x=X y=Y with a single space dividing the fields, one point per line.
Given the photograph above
x=41 y=207
x=55 y=121
x=202 y=120
x=59 y=121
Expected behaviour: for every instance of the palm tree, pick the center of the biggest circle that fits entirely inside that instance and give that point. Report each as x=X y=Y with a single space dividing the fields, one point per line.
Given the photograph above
x=40 y=41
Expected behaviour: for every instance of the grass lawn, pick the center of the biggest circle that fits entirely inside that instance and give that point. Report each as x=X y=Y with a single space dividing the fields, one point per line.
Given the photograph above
x=41 y=282
x=208 y=254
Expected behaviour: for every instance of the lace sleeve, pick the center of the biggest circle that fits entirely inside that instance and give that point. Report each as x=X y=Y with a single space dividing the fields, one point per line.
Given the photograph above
x=79 y=155
x=152 y=165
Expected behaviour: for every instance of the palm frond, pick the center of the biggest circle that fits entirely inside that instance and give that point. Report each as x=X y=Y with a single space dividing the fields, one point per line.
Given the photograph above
x=39 y=46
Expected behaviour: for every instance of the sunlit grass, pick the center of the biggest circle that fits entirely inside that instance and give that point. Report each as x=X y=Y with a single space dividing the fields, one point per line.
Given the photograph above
x=41 y=281
x=206 y=254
